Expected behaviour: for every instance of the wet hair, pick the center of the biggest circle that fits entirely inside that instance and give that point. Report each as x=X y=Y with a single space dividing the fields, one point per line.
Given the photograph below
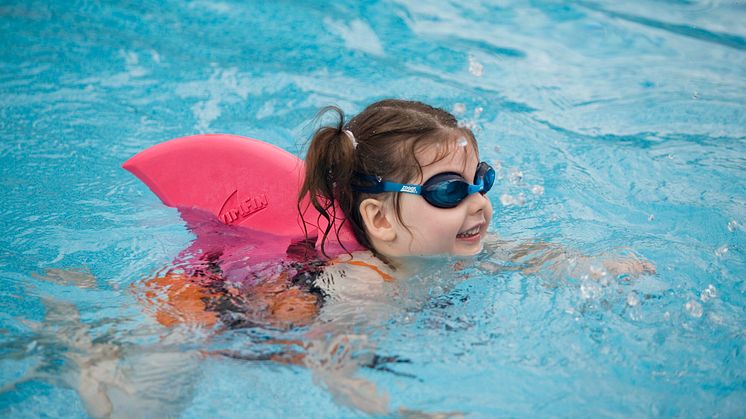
x=388 y=134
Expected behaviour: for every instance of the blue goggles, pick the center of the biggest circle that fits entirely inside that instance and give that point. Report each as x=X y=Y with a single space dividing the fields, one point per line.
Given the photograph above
x=444 y=190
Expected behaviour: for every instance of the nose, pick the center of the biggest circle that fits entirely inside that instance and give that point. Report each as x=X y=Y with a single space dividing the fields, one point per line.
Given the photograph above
x=478 y=202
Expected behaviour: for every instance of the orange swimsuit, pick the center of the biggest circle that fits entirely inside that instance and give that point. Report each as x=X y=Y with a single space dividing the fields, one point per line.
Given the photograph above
x=278 y=301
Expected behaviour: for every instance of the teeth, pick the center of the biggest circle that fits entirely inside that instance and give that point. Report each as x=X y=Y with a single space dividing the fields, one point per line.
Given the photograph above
x=468 y=233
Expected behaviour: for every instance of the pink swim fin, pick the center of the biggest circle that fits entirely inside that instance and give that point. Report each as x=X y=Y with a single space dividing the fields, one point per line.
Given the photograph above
x=242 y=181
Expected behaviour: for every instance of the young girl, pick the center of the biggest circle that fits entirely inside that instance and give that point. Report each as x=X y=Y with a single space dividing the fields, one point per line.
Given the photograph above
x=409 y=182
x=408 y=179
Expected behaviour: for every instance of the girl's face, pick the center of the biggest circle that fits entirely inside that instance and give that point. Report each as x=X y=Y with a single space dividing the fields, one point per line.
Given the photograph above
x=430 y=230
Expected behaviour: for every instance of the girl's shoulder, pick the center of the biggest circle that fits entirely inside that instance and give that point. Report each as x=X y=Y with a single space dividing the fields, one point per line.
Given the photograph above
x=361 y=273
x=364 y=263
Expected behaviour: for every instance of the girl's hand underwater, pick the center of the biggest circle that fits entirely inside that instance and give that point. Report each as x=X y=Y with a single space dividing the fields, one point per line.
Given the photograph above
x=542 y=258
x=629 y=266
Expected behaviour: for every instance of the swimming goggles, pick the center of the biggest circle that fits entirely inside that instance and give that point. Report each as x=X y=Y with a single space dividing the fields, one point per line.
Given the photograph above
x=444 y=190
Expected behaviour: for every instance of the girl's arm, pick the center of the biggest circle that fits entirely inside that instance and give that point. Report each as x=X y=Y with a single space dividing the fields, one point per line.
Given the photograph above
x=537 y=257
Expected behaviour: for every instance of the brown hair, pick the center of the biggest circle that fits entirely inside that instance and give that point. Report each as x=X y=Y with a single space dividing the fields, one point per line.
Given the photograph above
x=388 y=133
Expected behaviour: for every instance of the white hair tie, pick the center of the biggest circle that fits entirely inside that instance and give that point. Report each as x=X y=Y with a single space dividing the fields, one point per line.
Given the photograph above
x=351 y=136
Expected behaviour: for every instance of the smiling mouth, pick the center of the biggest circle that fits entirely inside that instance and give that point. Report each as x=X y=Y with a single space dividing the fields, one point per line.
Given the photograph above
x=471 y=233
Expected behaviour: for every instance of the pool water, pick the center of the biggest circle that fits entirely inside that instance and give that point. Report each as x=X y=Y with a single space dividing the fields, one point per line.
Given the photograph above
x=618 y=129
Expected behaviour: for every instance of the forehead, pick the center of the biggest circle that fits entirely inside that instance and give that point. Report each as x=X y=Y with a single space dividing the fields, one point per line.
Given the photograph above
x=457 y=155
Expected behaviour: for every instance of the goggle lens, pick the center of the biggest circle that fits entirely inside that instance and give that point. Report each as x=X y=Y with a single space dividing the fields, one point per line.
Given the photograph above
x=447 y=190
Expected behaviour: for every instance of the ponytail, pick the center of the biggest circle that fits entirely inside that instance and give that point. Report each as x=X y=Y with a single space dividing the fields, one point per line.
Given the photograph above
x=330 y=165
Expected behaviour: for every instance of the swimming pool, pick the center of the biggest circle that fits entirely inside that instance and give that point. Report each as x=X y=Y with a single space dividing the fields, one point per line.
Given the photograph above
x=617 y=128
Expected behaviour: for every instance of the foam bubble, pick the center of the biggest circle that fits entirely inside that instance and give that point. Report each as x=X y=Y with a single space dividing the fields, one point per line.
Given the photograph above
x=475 y=67
x=708 y=293
x=589 y=289
x=507 y=200
x=515 y=176
x=722 y=250
x=537 y=190
x=633 y=299
x=498 y=166
x=694 y=308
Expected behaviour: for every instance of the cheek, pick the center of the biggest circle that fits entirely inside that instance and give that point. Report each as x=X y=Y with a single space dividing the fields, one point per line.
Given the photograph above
x=415 y=211
x=428 y=223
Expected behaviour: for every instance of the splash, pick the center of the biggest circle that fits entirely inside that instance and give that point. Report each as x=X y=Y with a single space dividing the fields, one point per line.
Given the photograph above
x=476 y=68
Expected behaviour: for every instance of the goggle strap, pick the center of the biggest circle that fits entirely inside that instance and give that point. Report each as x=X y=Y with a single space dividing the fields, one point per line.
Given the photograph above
x=379 y=186
x=403 y=188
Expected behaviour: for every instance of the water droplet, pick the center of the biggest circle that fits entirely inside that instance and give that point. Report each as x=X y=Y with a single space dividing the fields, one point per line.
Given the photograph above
x=478 y=111
x=633 y=299
x=669 y=156
x=462 y=142
x=475 y=67
x=498 y=166
x=715 y=318
x=722 y=250
x=459 y=108
x=589 y=289
x=515 y=176
x=695 y=95
x=732 y=225
x=468 y=125
x=635 y=313
x=507 y=200
x=694 y=308
x=708 y=293
x=537 y=190
x=651 y=217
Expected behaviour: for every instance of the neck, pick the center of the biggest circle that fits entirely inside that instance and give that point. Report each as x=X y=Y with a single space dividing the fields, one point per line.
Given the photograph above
x=408 y=266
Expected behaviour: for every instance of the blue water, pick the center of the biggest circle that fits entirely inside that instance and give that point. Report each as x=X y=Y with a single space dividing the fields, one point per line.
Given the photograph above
x=618 y=127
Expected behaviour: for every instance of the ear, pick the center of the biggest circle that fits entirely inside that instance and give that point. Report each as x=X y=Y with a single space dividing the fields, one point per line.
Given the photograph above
x=373 y=213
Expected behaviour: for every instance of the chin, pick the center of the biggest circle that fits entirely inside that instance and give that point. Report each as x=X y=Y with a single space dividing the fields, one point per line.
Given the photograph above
x=471 y=251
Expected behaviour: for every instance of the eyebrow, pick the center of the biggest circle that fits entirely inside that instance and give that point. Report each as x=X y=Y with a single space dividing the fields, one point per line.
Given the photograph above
x=462 y=171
